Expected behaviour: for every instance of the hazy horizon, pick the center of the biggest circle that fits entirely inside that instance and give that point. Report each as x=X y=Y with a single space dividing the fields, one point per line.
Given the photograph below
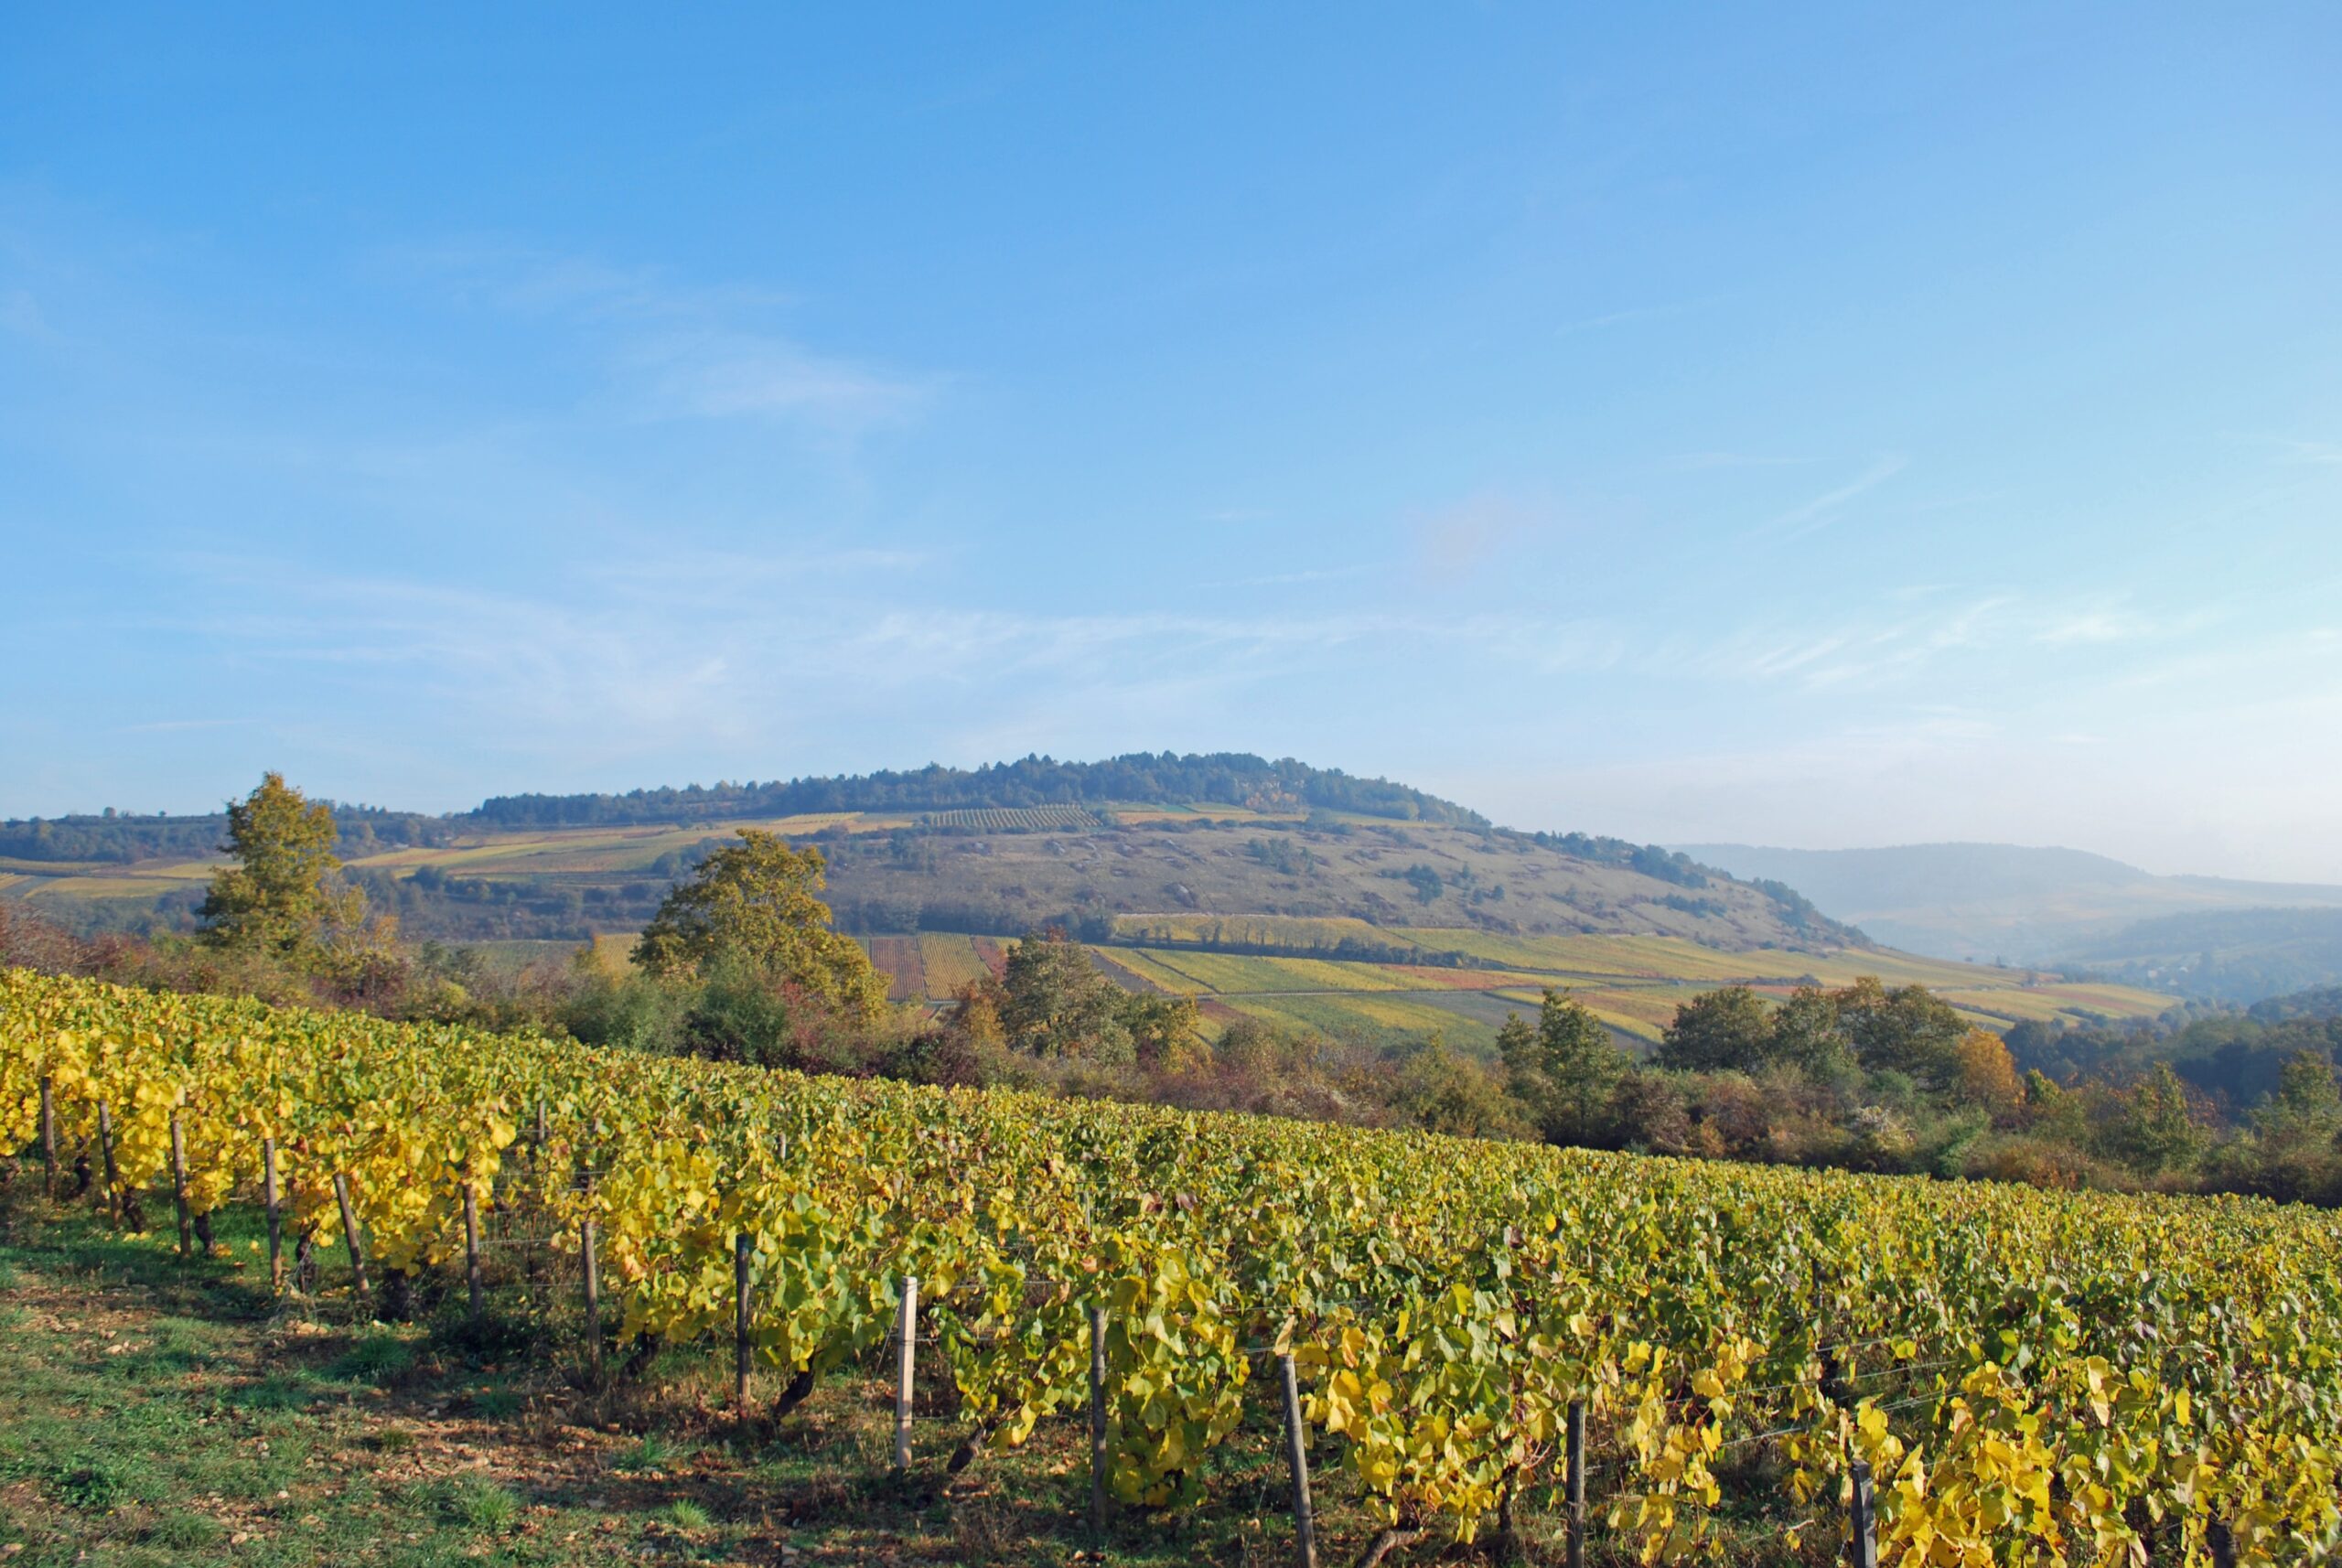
x=1882 y=429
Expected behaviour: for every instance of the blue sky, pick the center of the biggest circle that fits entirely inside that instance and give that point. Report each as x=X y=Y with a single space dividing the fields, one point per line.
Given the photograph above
x=1859 y=427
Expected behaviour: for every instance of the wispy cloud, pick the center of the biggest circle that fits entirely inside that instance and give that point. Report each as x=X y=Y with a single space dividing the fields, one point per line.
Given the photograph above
x=1633 y=313
x=1701 y=460
x=2091 y=626
x=733 y=572
x=1312 y=574
x=617 y=659
x=680 y=350
x=711 y=374
x=1823 y=510
x=2294 y=449
x=175 y=726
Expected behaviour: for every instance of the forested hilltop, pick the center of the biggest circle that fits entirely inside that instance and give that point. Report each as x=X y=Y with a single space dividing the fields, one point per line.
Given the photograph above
x=1165 y=778
x=1235 y=778
x=996 y=850
x=123 y=838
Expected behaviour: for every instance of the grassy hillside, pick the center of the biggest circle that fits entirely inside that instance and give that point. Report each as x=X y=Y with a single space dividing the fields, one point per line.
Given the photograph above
x=1002 y=870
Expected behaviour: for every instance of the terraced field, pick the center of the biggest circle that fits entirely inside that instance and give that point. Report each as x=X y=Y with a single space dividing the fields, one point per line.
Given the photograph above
x=1015 y=820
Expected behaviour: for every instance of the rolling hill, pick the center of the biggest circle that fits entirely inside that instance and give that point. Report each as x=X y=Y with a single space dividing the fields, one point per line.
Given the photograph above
x=2058 y=906
x=2223 y=955
x=1301 y=895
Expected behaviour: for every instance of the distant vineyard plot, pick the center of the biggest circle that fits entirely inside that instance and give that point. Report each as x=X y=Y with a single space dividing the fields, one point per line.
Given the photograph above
x=1015 y=820
x=1633 y=985
x=1276 y=904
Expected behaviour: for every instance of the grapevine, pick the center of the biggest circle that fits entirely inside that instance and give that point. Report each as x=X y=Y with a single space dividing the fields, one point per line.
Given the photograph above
x=2031 y=1377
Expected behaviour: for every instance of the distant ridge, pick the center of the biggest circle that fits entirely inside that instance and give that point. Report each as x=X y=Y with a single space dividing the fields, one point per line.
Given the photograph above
x=2053 y=906
x=1922 y=872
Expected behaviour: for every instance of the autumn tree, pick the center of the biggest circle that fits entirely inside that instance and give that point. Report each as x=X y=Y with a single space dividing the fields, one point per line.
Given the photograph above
x=1987 y=1073
x=1563 y=1067
x=1441 y=1091
x=1724 y=1030
x=755 y=903
x=1908 y=1029
x=1054 y=1003
x=1258 y=1051
x=284 y=897
x=2307 y=1105
x=975 y=1013
x=1162 y=1031
x=2157 y=1130
x=1051 y=1001
x=2295 y=1155
x=1806 y=1033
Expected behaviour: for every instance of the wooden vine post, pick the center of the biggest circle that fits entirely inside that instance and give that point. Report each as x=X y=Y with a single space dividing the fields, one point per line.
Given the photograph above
x=178 y=1187
x=275 y=1207
x=1577 y=1527
x=741 y=1247
x=349 y=1234
x=1098 y=1421
x=1296 y=1453
x=48 y=1136
x=905 y=1365
x=1861 y=1520
x=111 y=1195
x=591 y=1270
x=472 y=1281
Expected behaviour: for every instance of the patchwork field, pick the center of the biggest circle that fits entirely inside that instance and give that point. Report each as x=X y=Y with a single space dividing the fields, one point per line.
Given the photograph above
x=1633 y=984
x=1014 y=819
x=1360 y=927
x=949 y=963
x=899 y=958
x=1257 y=931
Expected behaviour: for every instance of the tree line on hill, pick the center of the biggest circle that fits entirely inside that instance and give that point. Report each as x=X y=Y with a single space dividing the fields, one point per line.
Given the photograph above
x=742 y=961
x=1140 y=777
x=112 y=837
x=1165 y=778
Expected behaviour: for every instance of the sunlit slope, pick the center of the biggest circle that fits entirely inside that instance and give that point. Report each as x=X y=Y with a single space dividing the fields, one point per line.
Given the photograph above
x=1633 y=984
x=1352 y=927
x=1008 y=868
